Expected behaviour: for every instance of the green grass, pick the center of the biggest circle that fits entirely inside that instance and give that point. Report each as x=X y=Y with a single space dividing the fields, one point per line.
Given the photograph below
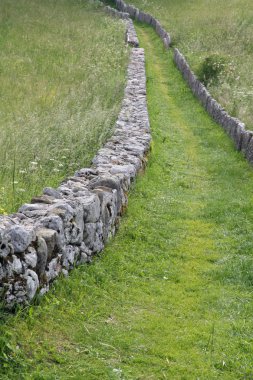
x=171 y=296
x=217 y=29
x=62 y=74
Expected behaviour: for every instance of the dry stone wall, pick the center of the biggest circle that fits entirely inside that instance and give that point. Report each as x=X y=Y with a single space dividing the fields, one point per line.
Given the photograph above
x=138 y=15
x=114 y=12
x=131 y=36
x=66 y=226
x=234 y=127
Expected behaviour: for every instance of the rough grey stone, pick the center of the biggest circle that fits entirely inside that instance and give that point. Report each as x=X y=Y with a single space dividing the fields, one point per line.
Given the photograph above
x=52 y=193
x=54 y=222
x=50 y=237
x=166 y=41
x=93 y=236
x=91 y=208
x=70 y=256
x=238 y=135
x=16 y=265
x=41 y=256
x=53 y=270
x=32 y=284
x=5 y=245
x=246 y=137
x=148 y=18
x=31 y=258
x=63 y=210
x=47 y=199
x=249 y=151
x=21 y=237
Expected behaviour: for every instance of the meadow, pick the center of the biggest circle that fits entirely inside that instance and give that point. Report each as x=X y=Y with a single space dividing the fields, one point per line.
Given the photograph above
x=171 y=295
x=62 y=74
x=216 y=36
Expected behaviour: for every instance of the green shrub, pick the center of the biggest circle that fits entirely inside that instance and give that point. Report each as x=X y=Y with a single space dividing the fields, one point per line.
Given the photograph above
x=211 y=68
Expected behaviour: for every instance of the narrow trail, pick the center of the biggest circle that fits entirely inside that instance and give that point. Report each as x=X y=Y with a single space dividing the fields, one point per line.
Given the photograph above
x=171 y=296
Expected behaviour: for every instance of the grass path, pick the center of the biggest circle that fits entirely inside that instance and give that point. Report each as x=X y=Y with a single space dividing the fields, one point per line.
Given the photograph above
x=171 y=296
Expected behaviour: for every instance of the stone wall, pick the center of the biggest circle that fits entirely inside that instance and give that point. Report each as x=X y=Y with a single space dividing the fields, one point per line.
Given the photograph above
x=115 y=13
x=66 y=226
x=234 y=127
x=131 y=36
x=138 y=15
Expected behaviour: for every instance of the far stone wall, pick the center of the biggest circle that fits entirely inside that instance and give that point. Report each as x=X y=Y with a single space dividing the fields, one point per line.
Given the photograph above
x=234 y=127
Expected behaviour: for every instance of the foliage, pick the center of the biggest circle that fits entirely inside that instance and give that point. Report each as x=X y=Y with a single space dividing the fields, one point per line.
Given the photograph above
x=211 y=69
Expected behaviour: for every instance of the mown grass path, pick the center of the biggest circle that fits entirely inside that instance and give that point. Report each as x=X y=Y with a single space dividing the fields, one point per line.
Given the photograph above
x=171 y=296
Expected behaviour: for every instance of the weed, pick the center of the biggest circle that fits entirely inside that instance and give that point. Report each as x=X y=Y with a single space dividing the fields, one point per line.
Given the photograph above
x=211 y=69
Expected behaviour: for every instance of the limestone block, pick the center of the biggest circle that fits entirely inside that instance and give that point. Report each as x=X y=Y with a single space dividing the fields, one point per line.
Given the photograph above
x=112 y=182
x=6 y=270
x=30 y=258
x=47 y=199
x=54 y=222
x=166 y=41
x=93 y=236
x=226 y=123
x=6 y=247
x=128 y=170
x=63 y=210
x=137 y=14
x=32 y=284
x=131 y=10
x=16 y=265
x=153 y=22
x=53 y=270
x=108 y=200
x=91 y=208
x=238 y=135
x=233 y=124
x=246 y=137
x=147 y=18
x=42 y=255
x=21 y=237
x=50 y=238
x=39 y=208
x=196 y=87
x=249 y=151
x=192 y=80
x=203 y=96
x=141 y=16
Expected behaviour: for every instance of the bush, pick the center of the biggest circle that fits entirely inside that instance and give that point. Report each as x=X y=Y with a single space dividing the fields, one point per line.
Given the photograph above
x=211 y=68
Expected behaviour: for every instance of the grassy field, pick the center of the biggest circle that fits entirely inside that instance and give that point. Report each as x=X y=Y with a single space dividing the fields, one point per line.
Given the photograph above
x=62 y=74
x=171 y=296
x=216 y=36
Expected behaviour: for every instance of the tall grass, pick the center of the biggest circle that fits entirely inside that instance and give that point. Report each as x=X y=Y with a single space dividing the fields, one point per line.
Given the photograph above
x=62 y=70
x=217 y=29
